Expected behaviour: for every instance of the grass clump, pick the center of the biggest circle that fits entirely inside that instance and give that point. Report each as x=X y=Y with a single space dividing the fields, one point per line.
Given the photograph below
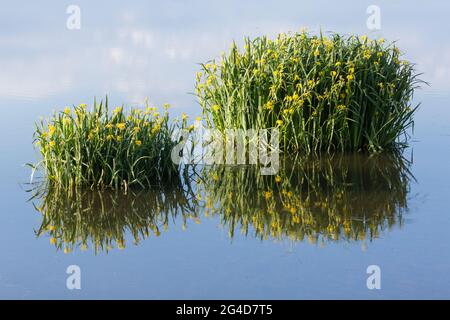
x=337 y=93
x=97 y=148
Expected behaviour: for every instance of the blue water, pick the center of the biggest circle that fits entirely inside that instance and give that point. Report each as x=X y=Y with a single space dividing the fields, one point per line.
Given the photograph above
x=131 y=51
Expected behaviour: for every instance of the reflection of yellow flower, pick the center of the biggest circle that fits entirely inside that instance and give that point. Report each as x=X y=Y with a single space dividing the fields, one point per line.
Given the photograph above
x=66 y=250
x=52 y=240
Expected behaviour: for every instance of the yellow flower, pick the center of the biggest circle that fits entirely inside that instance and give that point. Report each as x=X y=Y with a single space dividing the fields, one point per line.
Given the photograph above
x=341 y=107
x=109 y=126
x=156 y=128
x=67 y=110
x=184 y=116
x=363 y=38
x=166 y=106
x=156 y=114
x=279 y=122
x=120 y=126
x=51 y=130
x=136 y=129
x=333 y=73
x=198 y=119
x=52 y=144
x=316 y=53
x=66 y=250
x=351 y=70
x=109 y=137
x=52 y=240
x=381 y=40
x=216 y=107
x=66 y=121
x=268 y=194
x=277 y=179
x=82 y=105
x=350 y=77
x=119 y=138
x=117 y=110
x=337 y=64
x=269 y=105
x=51 y=228
x=138 y=142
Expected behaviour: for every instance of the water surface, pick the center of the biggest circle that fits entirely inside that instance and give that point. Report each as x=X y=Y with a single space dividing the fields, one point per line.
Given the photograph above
x=234 y=233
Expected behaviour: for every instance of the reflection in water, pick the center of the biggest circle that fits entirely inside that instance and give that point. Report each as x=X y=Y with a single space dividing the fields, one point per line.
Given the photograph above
x=101 y=219
x=347 y=197
x=351 y=197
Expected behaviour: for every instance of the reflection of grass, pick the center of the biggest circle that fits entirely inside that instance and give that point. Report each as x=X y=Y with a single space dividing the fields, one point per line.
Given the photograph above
x=345 y=197
x=338 y=93
x=101 y=219
x=100 y=149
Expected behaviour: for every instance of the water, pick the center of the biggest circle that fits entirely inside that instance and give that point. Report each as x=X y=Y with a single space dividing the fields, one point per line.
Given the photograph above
x=394 y=219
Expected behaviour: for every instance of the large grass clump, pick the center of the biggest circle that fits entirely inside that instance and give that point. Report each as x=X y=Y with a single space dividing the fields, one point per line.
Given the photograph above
x=98 y=148
x=337 y=93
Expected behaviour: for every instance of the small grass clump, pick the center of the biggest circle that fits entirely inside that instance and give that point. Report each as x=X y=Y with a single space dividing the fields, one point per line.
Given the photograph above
x=100 y=149
x=323 y=93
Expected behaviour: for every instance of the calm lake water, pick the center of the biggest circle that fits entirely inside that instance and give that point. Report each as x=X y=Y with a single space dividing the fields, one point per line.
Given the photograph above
x=232 y=233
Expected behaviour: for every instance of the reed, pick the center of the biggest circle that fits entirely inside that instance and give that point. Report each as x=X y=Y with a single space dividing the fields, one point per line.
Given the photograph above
x=323 y=93
x=102 y=149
